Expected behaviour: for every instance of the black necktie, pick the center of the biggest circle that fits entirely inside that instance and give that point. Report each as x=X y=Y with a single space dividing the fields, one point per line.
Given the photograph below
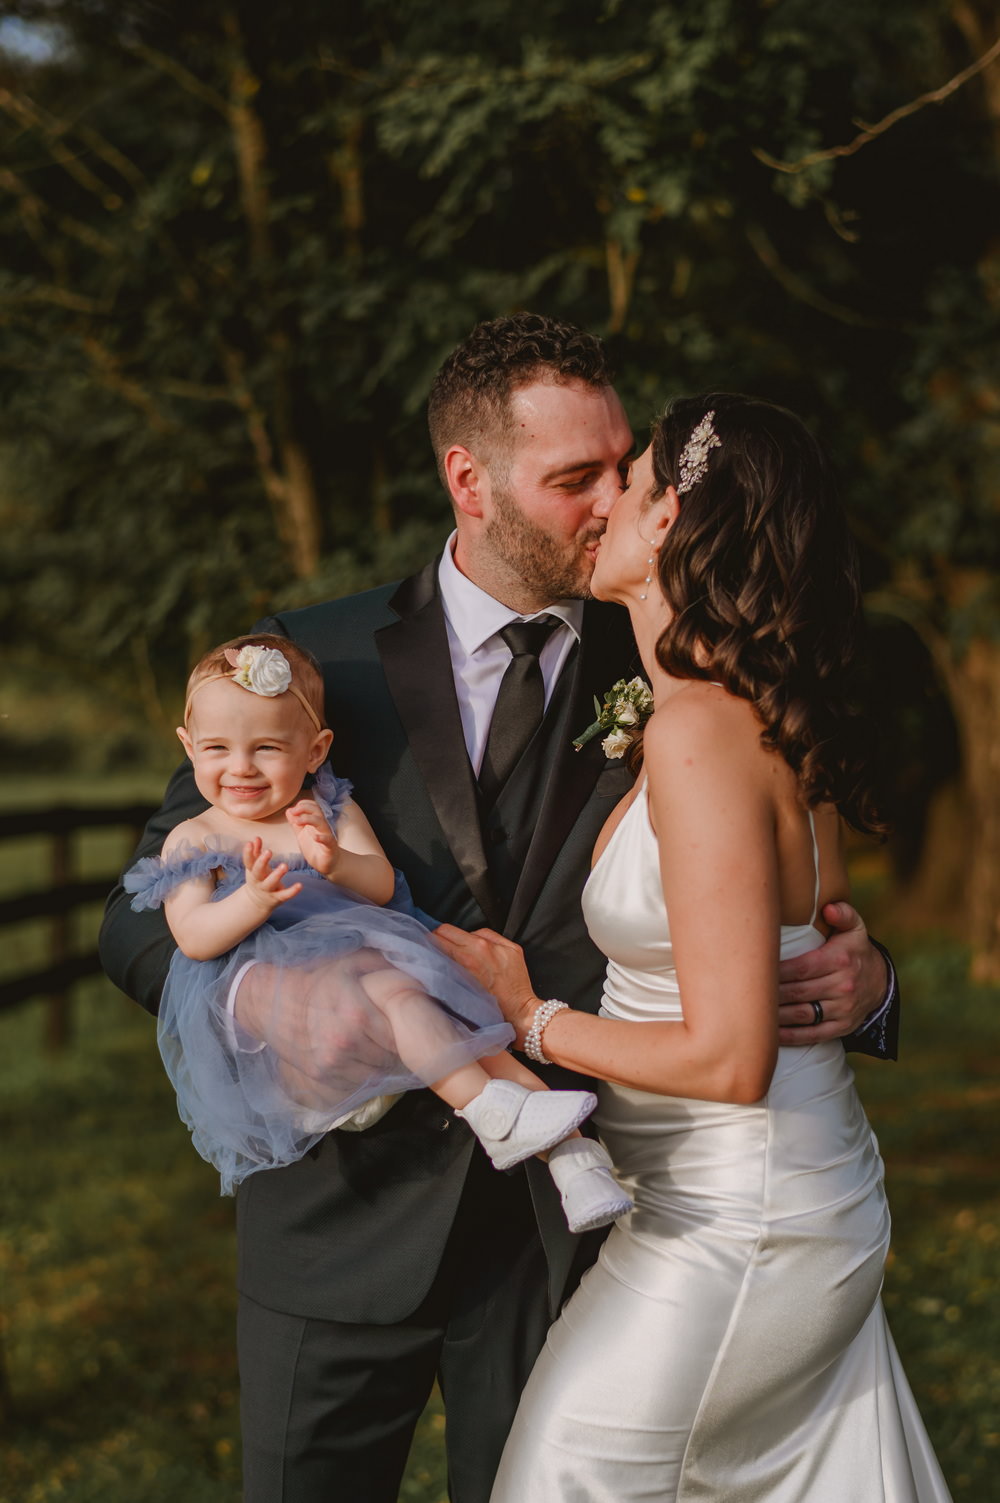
x=520 y=703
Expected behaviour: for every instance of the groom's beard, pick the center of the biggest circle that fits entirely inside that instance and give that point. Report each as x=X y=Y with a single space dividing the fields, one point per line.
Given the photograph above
x=553 y=568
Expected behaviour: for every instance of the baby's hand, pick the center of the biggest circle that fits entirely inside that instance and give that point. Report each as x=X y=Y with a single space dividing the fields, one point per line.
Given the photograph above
x=317 y=841
x=263 y=879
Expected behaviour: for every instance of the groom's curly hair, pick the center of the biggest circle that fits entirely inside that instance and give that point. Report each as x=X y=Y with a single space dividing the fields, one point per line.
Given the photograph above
x=469 y=400
x=761 y=573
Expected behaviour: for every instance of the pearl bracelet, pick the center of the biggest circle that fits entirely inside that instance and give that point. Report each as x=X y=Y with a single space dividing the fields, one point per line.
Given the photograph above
x=544 y=1014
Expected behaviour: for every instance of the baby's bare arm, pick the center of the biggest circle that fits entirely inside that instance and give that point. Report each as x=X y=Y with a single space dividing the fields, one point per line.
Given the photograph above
x=351 y=857
x=205 y=929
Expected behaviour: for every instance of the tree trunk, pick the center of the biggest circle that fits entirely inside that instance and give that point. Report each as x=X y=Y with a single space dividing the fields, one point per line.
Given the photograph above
x=381 y=508
x=347 y=171
x=622 y=266
x=286 y=471
x=933 y=897
x=977 y=24
x=976 y=702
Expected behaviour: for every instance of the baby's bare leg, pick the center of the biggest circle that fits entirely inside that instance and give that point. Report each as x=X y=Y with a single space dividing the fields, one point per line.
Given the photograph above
x=421 y=1028
x=422 y=1031
x=504 y=1066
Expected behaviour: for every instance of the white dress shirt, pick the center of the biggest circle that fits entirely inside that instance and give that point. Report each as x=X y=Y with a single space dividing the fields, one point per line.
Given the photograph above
x=479 y=657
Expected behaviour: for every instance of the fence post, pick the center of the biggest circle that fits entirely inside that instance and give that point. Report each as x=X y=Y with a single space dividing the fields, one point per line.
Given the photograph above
x=57 y=1026
x=57 y=909
x=6 y=1396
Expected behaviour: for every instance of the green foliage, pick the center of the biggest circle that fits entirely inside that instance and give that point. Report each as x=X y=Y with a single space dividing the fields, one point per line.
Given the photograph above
x=235 y=251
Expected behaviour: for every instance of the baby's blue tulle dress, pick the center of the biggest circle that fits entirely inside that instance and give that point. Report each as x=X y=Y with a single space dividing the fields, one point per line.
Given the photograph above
x=246 y=1107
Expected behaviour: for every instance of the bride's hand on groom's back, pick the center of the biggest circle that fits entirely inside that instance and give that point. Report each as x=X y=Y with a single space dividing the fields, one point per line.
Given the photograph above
x=498 y=965
x=846 y=978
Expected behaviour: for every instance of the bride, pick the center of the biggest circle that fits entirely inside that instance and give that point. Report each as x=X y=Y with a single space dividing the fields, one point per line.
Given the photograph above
x=730 y=1343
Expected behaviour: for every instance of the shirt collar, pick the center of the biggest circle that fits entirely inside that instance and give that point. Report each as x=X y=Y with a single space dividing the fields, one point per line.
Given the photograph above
x=474 y=616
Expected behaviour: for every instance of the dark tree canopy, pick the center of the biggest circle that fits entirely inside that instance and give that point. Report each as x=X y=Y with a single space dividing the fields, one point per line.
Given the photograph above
x=238 y=240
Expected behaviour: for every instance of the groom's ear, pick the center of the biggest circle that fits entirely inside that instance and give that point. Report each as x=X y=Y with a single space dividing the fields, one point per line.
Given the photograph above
x=467 y=480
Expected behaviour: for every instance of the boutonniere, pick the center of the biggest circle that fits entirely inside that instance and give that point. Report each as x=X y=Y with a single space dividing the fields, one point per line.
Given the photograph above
x=626 y=708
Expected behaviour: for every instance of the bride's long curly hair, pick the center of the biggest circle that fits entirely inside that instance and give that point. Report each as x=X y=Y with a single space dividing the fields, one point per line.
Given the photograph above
x=761 y=573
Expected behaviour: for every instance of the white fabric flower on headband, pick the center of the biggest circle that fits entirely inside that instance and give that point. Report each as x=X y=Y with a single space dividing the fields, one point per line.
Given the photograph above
x=263 y=670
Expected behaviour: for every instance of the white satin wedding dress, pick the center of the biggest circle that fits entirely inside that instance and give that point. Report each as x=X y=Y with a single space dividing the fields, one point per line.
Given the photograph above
x=730 y=1344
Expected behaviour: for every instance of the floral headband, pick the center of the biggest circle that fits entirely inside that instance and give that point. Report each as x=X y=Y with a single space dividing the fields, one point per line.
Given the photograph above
x=262 y=670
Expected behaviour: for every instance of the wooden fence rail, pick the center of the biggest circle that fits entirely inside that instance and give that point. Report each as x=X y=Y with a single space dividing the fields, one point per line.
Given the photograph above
x=58 y=902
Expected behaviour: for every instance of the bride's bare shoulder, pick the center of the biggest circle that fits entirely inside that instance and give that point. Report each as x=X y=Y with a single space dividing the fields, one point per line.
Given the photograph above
x=703 y=754
x=702 y=719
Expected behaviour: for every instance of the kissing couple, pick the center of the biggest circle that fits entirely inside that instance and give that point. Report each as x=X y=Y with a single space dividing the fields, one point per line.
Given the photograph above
x=688 y=906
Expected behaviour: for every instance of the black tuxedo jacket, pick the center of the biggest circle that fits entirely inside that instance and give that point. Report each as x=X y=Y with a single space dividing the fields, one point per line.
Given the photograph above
x=355 y=1231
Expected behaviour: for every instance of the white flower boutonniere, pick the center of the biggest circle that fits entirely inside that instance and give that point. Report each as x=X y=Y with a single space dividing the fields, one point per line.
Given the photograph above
x=626 y=708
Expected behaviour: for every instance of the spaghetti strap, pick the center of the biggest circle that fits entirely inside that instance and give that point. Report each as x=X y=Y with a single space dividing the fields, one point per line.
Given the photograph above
x=812 y=831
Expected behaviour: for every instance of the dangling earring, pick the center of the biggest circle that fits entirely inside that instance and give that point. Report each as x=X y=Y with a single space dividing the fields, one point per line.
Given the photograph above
x=649 y=567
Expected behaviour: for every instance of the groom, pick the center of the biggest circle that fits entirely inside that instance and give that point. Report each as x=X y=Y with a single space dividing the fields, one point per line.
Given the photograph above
x=388 y=1257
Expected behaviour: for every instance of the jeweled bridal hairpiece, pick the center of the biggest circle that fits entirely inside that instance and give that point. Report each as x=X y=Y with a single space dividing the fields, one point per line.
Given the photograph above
x=694 y=455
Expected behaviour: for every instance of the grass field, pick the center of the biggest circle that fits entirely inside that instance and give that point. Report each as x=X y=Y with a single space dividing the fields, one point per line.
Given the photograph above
x=117 y=1255
x=116 y=1279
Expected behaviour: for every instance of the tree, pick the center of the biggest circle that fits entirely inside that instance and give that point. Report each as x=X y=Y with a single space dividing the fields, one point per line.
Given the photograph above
x=236 y=250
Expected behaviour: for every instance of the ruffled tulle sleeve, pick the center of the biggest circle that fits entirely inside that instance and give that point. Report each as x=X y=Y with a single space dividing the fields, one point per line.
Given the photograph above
x=153 y=878
x=331 y=793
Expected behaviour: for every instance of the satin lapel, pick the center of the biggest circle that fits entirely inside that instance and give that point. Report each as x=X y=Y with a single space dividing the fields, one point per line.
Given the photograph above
x=417 y=666
x=607 y=652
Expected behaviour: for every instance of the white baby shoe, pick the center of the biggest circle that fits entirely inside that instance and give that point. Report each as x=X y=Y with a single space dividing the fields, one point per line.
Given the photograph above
x=591 y=1195
x=512 y=1123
